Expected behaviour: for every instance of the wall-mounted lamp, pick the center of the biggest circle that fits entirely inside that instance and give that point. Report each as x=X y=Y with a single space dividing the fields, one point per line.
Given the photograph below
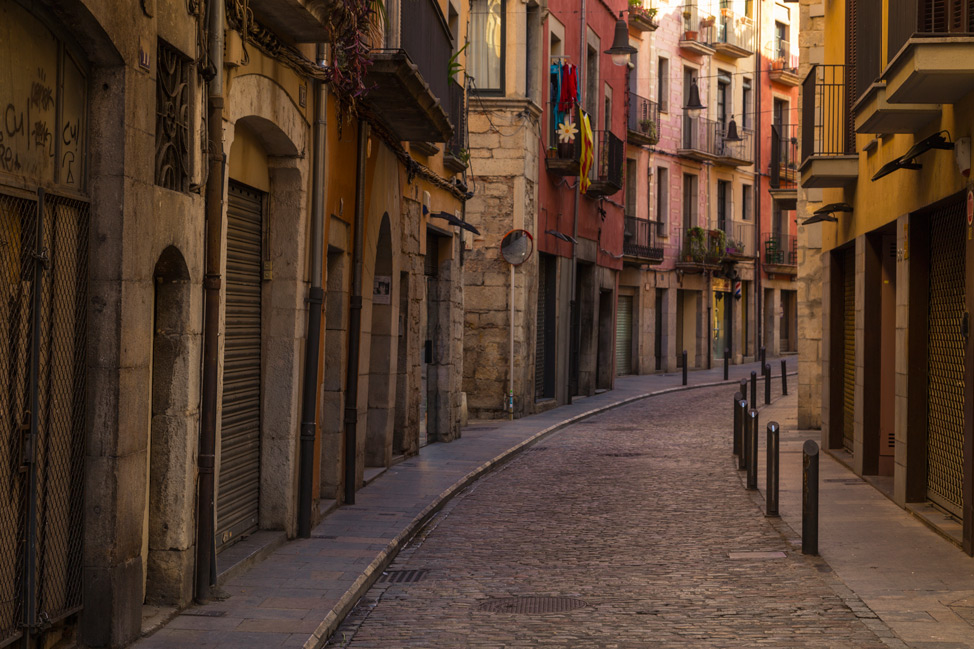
x=621 y=50
x=693 y=107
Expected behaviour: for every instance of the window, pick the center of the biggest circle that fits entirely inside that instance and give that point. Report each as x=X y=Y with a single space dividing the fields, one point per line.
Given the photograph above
x=746 y=103
x=630 y=209
x=662 y=198
x=746 y=203
x=591 y=98
x=607 y=116
x=663 y=84
x=689 y=201
x=486 y=60
x=779 y=114
x=780 y=41
x=723 y=97
x=723 y=203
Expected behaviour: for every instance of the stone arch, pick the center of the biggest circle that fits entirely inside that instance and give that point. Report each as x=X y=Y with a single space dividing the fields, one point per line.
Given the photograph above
x=262 y=109
x=172 y=435
x=382 y=351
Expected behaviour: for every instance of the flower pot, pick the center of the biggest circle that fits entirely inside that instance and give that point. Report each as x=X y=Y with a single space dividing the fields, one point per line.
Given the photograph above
x=566 y=150
x=690 y=35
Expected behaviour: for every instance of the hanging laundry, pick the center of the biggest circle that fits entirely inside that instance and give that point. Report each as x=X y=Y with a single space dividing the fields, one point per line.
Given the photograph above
x=568 y=97
x=558 y=115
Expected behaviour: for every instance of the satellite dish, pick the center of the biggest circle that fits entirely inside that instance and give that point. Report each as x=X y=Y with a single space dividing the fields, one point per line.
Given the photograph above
x=517 y=246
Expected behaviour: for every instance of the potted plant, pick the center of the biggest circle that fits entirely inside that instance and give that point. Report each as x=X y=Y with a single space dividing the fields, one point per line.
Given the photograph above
x=641 y=18
x=566 y=139
x=648 y=127
x=696 y=248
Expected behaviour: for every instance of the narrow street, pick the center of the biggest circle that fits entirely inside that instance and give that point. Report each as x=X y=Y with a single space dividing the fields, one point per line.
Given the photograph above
x=631 y=529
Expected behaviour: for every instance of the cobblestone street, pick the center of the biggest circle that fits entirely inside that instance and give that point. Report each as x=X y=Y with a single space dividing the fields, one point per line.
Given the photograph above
x=638 y=521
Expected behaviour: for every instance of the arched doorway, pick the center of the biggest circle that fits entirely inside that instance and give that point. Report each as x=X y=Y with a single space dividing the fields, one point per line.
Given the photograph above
x=168 y=540
x=382 y=357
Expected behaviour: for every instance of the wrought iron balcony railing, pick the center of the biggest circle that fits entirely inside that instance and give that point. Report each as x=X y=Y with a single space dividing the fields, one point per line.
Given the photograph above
x=740 y=240
x=734 y=30
x=699 y=136
x=702 y=249
x=644 y=121
x=736 y=153
x=780 y=250
x=784 y=156
x=425 y=37
x=698 y=25
x=607 y=164
x=827 y=120
x=641 y=240
x=455 y=154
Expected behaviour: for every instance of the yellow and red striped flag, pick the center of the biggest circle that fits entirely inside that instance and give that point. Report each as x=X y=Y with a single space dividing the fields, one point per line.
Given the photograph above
x=587 y=156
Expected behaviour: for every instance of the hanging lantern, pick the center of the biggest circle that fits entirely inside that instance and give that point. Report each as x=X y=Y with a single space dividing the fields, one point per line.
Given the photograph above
x=621 y=50
x=693 y=107
x=732 y=134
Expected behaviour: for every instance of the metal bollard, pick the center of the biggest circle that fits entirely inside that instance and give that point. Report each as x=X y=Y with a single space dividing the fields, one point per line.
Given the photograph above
x=737 y=423
x=684 y=367
x=784 y=378
x=752 y=449
x=754 y=388
x=742 y=415
x=767 y=385
x=810 y=497
x=743 y=389
x=726 y=362
x=771 y=485
x=764 y=359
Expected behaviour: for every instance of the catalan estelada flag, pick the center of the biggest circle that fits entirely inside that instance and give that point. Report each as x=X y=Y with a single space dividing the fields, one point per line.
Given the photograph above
x=587 y=154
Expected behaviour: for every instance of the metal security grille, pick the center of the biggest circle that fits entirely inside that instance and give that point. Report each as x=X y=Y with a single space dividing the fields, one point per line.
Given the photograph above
x=848 y=347
x=43 y=301
x=539 y=346
x=624 y=336
x=239 y=486
x=945 y=359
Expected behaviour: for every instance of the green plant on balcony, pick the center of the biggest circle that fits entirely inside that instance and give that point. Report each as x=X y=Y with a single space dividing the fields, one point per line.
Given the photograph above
x=717 y=249
x=696 y=248
x=648 y=127
x=735 y=247
x=637 y=9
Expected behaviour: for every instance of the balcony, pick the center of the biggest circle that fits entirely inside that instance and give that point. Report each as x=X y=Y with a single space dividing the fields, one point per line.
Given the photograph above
x=931 y=47
x=734 y=35
x=829 y=157
x=698 y=30
x=730 y=153
x=701 y=250
x=699 y=139
x=300 y=21
x=780 y=254
x=875 y=114
x=609 y=157
x=784 y=166
x=409 y=85
x=561 y=158
x=641 y=241
x=642 y=17
x=455 y=156
x=784 y=64
x=643 y=120
x=740 y=241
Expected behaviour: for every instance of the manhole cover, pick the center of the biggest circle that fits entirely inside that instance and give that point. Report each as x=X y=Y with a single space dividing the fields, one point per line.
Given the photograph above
x=531 y=605
x=402 y=576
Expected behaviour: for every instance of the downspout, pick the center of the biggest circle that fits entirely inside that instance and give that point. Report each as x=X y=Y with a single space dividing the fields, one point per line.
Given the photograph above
x=315 y=299
x=355 y=316
x=757 y=193
x=574 y=320
x=212 y=285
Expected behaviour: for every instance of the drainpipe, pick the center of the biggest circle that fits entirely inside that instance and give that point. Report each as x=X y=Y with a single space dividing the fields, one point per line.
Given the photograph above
x=758 y=57
x=315 y=299
x=355 y=316
x=575 y=337
x=212 y=284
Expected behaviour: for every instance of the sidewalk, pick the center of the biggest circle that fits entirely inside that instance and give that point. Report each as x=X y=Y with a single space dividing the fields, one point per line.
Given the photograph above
x=919 y=584
x=302 y=591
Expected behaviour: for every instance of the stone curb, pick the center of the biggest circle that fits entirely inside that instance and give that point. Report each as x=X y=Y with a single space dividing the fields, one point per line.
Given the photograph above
x=372 y=572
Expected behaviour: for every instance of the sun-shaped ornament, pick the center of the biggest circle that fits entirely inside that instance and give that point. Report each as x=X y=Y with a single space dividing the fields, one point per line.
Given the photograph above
x=566 y=132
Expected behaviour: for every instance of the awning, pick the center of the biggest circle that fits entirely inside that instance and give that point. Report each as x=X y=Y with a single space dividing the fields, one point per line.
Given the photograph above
x=453 y=220
x=908 y=159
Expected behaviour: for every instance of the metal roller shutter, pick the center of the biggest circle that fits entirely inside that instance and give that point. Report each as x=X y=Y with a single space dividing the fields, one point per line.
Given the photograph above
x=237 y=501
x=539 y=347
x=624 y=335
x=945 y=359
x=849 y=347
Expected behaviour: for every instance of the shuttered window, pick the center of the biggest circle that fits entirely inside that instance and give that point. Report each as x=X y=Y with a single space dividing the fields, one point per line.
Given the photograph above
x=624 y=335
x=848 y=347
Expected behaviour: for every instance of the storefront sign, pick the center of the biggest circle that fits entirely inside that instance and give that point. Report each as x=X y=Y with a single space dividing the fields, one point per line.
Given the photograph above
x=721 y=284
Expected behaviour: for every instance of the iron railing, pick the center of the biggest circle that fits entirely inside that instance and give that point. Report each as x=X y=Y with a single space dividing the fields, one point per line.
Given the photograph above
x=426 y=39
x=909 y=18
x=610 y=156
x=700 y=134
x=734 y=29
x=698 y=25
x=641 y=239
x=780 y=249
x=781 y=56
x=644 y=118
x=740 y=239
x=742 y=151
x=784 y=156
x=826 y=118
x=458 y=117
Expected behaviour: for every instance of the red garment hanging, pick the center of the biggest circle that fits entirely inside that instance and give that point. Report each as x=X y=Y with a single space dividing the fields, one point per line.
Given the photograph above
x=569 y=88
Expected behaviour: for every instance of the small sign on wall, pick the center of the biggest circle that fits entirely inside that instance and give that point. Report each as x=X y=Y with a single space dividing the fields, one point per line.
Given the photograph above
x=382 y=289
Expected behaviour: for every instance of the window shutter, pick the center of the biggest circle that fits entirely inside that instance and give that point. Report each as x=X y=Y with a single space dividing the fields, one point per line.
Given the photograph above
x=851 y=32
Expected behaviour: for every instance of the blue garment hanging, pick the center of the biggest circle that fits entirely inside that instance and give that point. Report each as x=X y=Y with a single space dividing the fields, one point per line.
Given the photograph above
x=559 y=117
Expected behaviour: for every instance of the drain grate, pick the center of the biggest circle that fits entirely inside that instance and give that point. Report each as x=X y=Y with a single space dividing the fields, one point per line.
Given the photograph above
x=402 y=576
x=531 y=605
x=622 y=454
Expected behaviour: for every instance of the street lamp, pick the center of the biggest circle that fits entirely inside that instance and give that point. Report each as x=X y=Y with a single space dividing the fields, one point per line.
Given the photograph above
x=693 y=106
x=732 y=134
x=621 y=50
